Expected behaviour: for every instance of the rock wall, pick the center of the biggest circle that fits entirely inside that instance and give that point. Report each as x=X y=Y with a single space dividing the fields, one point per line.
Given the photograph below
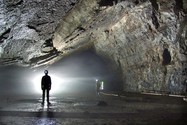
x=27 y=27
x=144 y=40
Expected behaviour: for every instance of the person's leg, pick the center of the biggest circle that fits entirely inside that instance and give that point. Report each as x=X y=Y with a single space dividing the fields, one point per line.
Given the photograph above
x=48 y=96
x=43 y=96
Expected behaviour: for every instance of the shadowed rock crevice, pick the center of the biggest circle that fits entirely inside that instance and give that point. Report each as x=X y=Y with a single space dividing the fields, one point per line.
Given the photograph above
x=166 y=57
x=154 y=4
x=73 y=2
x=178 y=7
x=37 y=61
x=10 y=3
x=155 y=13
x=107 y=2
x=5 y=35
x=155 y=20
x=48 y=47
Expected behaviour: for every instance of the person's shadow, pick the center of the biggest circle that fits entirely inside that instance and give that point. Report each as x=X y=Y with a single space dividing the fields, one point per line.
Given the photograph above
x=49 y=112
x=45 y=112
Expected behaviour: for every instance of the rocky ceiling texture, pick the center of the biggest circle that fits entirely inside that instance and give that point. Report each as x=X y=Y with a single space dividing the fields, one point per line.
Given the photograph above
x=142 y=40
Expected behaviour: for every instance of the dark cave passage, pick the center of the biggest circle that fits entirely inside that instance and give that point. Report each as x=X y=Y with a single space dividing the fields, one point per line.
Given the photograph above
x=74 y=75
x=87 y=64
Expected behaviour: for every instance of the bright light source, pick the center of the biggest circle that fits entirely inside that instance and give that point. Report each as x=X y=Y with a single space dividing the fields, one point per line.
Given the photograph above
x=102 y=85
x=96 y=80
x=56 y=86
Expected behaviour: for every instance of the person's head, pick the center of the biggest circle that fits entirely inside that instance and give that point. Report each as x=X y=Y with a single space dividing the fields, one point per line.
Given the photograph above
x=46 y=72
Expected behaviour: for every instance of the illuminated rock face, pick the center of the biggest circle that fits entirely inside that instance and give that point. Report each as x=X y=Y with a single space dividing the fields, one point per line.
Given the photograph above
x=27 y=27
x=144 y=40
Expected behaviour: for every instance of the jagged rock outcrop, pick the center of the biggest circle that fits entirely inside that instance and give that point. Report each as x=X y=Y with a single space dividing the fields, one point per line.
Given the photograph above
x=27 y=27
x=144 y=40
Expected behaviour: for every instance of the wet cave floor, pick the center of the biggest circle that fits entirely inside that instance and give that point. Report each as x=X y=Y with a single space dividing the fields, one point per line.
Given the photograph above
x=107 y=109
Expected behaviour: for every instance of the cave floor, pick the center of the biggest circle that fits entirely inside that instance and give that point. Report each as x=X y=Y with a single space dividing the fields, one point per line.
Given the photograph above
x=129 y=109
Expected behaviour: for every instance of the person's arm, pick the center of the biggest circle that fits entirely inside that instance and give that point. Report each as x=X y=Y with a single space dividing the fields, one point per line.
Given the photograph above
x=42 y=83
x=49 y=83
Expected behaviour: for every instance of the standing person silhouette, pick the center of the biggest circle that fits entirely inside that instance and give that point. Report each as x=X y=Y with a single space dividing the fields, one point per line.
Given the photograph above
x=46 y=86
x=98 y=86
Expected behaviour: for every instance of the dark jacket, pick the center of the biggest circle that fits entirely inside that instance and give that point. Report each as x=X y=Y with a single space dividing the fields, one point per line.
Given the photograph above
x=46 y=82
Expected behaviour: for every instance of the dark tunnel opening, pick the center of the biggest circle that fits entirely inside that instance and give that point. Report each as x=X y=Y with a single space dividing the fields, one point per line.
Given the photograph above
x=77 y=73
x=87 y=64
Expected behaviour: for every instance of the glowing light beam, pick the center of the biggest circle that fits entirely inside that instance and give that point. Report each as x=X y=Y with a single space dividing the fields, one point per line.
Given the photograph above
x=56 y=86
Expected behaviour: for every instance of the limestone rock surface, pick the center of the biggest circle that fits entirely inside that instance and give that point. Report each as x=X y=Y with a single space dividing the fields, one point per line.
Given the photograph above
x=145 y=40
x=27 y=27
